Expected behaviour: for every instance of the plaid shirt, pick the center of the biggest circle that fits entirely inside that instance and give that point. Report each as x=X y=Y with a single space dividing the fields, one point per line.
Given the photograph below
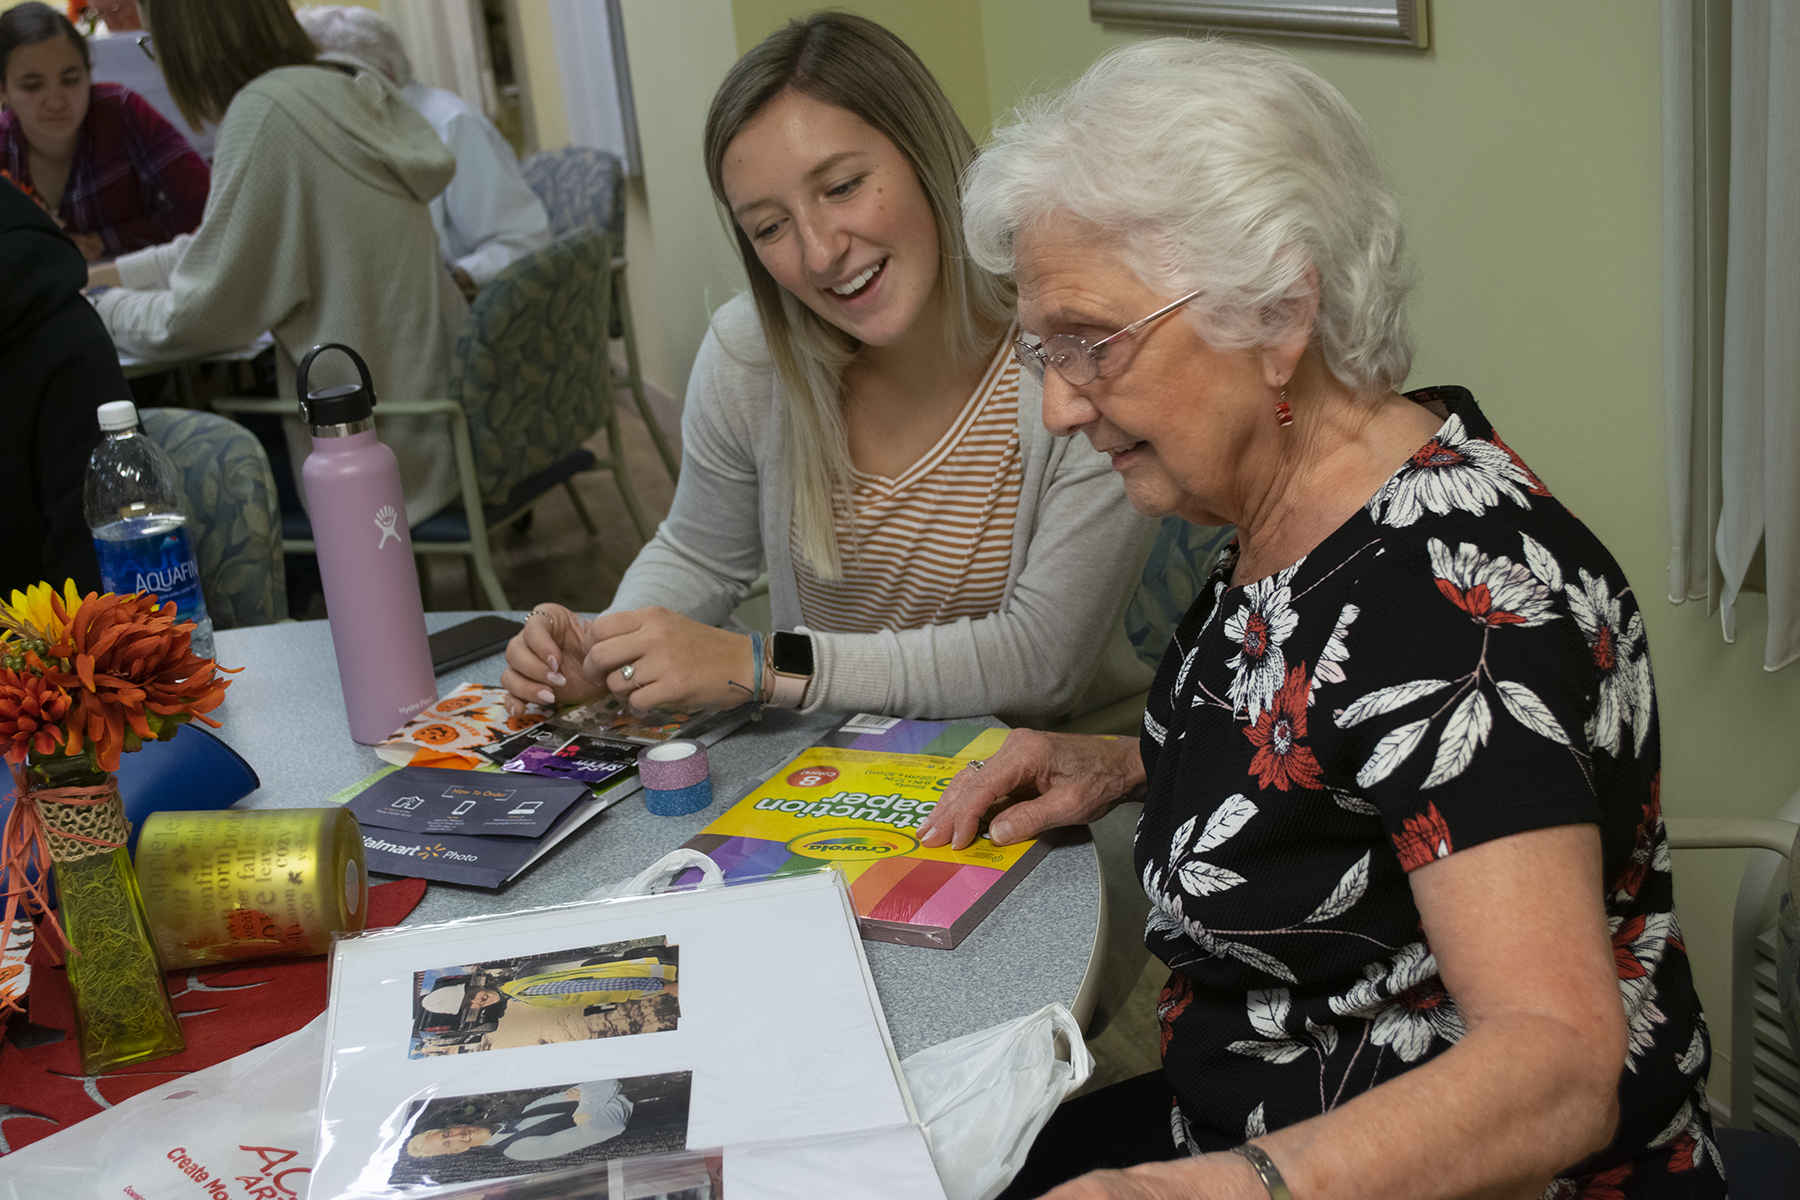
x=135 y=180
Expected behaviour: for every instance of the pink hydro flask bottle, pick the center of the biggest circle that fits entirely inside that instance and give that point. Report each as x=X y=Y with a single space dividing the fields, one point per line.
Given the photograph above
x=365 y=554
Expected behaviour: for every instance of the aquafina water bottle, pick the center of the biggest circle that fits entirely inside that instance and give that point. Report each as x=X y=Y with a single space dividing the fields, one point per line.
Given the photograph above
x=136 y=511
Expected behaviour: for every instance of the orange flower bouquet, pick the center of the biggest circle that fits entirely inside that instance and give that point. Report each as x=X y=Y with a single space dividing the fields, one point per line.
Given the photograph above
x=82 y=681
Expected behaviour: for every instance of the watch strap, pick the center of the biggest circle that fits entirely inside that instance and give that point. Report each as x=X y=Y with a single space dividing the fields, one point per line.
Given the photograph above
x=787 y=689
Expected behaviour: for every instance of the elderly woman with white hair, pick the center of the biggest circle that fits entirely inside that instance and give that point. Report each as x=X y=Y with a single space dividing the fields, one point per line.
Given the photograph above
x=1401 y=830
x=488 y=217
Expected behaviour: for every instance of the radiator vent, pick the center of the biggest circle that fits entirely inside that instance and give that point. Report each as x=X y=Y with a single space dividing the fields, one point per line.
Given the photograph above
x=1775 y=1101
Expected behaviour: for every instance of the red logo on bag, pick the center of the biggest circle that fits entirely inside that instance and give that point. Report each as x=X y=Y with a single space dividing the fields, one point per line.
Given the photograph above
x=269 y=1183
x=812 y=777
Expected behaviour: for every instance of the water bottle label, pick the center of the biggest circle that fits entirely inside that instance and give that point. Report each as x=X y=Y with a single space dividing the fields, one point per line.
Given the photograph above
x=385 y=520
x=156 y=561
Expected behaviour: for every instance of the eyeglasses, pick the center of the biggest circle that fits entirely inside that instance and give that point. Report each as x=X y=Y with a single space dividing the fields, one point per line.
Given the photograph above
x=147 y=46
x=1076 y=359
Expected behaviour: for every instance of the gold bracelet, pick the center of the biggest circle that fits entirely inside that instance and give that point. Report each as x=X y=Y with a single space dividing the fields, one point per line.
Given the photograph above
x=1265 y=1170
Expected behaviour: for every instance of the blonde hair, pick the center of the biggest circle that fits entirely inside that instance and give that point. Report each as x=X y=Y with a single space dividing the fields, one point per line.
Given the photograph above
x=854 y=64
x=209 y=49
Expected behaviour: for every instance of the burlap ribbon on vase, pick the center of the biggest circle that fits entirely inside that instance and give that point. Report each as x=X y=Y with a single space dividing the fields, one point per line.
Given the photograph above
x=53 y=825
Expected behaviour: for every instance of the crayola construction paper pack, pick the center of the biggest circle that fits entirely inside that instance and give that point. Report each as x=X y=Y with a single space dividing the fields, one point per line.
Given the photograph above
x=859 y=811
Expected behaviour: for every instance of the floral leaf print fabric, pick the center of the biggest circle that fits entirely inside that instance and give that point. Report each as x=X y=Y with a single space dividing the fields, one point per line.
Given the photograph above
x=1460 y=661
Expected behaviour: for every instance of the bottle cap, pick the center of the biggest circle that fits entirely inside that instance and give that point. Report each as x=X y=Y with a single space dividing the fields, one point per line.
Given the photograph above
x=117 y=415
x=345 y=404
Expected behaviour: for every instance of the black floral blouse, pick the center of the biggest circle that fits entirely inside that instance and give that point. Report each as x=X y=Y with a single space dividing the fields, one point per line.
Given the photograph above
x=1460 y=661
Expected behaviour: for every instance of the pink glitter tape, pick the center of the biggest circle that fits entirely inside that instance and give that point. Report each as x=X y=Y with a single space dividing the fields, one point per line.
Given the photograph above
x=677 y=763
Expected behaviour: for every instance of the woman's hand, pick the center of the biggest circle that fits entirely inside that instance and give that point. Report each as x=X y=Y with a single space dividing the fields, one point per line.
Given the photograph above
x=1055 y=779
x=543 y=661
x=90 y=245
x=104 y=274
x=675 y=661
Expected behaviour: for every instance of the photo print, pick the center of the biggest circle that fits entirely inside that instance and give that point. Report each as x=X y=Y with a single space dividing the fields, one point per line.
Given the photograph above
x=613 y=990
x=462 y=1139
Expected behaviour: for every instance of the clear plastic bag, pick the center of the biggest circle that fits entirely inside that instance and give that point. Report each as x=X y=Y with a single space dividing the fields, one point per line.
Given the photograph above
x=985 y=1096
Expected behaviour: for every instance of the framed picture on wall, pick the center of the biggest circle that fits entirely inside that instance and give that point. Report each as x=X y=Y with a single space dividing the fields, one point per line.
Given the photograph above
x=1384 y=22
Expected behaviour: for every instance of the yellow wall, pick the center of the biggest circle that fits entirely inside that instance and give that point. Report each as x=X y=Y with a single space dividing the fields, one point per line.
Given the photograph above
x=946 y=35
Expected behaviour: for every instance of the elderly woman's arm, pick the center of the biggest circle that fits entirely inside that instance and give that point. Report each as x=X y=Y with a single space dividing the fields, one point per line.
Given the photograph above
x=1521 y=941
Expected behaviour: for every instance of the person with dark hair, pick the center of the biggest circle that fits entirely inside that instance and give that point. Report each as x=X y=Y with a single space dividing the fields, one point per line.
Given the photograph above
x=860 y=421
x=115 y=174
x=58 y=366
x=318 y=232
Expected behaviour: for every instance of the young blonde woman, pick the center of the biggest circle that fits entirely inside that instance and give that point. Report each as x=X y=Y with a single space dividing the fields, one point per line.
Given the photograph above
x=859 y=422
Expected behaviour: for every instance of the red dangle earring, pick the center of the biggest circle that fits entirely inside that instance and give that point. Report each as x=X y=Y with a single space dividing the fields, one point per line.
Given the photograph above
x=1284 y=416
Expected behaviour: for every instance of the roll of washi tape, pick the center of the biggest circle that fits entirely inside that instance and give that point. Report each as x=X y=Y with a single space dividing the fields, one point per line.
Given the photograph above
x=676 y=777
x=231 y=885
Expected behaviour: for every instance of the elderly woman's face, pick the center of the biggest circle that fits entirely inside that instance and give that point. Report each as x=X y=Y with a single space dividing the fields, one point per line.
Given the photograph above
x=836 y=215
x=1170 y=410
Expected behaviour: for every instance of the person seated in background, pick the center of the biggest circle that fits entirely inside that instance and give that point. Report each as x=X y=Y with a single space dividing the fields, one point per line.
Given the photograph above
x=488 y=217
x=115 y=174
x=860 y=420
x=319 y=230
x=57 y=366
x=117 y=16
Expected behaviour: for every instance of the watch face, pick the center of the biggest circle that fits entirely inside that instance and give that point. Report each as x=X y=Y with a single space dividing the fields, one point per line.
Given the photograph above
x=793 y=654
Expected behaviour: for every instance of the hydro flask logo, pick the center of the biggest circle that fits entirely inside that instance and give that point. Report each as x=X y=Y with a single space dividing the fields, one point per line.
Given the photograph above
x=384 y=521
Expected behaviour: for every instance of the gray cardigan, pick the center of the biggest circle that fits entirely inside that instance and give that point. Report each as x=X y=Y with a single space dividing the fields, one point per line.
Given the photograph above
x=1057 y=644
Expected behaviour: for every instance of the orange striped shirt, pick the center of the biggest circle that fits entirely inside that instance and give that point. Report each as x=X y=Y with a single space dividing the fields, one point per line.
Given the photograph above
x=936 y=543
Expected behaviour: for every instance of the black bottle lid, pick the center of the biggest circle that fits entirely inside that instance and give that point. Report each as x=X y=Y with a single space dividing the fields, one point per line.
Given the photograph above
x=345 y=404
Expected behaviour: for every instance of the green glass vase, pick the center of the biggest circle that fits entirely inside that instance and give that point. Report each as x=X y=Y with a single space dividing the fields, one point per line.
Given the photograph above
x=121 y=1000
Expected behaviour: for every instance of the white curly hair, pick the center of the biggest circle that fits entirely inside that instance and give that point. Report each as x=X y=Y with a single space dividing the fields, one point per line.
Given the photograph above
x=360 y=32
x=1223 y=167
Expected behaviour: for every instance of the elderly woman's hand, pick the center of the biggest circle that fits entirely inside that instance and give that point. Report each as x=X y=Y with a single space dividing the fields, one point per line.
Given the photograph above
x=673 y=661
x=543 y=661
x=1054 y=779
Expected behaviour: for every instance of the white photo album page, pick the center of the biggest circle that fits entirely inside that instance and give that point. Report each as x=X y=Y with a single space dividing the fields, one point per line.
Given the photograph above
x=544 y=1040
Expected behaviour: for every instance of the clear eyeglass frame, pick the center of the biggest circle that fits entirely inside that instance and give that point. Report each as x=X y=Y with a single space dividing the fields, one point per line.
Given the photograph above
x=1077 y=359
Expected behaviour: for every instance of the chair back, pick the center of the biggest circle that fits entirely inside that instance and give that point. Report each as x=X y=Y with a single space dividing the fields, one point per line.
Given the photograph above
x=1183 y=556
x=529 y=370
x=581 y=187
x=234 y=519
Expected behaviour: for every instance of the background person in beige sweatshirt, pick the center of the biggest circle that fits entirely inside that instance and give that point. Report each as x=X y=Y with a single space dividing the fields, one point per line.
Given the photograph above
x=317 y=228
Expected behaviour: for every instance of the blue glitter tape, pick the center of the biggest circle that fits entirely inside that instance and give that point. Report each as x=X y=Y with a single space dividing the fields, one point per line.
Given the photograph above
x=680 y=801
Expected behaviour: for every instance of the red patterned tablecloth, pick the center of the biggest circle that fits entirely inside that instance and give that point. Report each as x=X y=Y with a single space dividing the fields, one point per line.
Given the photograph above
x=225 y=1011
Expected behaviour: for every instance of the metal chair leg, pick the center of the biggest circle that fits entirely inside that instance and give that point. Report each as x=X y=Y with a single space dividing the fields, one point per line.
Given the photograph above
x=587 y=521
x=622 y=479
x=634 y=376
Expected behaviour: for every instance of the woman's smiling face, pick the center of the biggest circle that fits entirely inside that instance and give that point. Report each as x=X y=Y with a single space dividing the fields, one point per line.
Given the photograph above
x=836 y=215
x=47 y=84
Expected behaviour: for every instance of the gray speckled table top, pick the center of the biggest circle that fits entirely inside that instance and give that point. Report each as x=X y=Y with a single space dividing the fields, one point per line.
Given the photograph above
x=285 y=715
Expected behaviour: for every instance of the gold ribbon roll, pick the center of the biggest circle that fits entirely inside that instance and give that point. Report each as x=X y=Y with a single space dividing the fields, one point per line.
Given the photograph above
x=231 y=885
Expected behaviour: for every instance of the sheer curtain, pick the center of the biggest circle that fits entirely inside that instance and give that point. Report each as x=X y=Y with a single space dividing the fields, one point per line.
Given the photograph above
x=447 y=42
x=1731 y=307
